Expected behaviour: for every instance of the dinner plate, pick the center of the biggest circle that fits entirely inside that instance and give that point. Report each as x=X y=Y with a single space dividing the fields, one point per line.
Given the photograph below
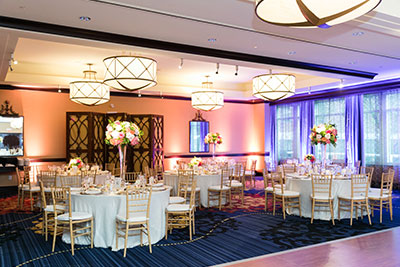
x=159 y=188
x=158 y=185
x=75 y=189
x=93 y=192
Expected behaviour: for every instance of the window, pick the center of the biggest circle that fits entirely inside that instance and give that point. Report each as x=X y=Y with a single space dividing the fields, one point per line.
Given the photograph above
x=331 y=111
x=198 y=130
x=381 y=128
x=287 y=131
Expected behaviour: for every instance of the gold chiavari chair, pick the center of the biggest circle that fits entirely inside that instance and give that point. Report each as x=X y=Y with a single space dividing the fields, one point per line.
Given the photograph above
x=89 y=175
x=251 y=173
x=370 y=171
x=135 y=217
x=288 y=168
x=66 y=219
x=357 y=199
x=384 y=197
x=71 y=181
x=218 y=192
x=131 y=177
x=110 y=167
x=178 y=215
x=184 y=178
x=21 y=184
x=237 y=181
x=181 y=164
x=321 y=194
x=28 y=187
x=288 y=199
x=188 y=178
x=48 y=179
x=268 y=189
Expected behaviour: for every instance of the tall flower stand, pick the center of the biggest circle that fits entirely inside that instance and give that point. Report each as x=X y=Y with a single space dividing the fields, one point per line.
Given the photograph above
x=214 y=146
x=122 y=157
x=324 y=157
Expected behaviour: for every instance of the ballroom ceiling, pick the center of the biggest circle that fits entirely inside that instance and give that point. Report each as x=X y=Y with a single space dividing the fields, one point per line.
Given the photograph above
x=369 y=43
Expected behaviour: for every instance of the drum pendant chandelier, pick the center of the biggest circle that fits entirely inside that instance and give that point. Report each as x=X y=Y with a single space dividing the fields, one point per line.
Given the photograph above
x=207 y=99
x=89 y=91
x=312 y=13
x=272 y=87
x=129 y=73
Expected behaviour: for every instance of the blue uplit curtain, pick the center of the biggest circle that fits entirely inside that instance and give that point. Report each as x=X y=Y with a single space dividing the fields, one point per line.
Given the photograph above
x=354 y=129
x=306 y=123
x=272 y=113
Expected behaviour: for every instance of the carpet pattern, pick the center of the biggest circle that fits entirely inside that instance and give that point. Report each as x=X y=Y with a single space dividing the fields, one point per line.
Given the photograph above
x=235 y=233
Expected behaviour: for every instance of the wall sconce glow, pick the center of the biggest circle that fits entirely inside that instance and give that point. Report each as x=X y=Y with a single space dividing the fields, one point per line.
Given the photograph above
x=272 y=87
x=129 y=73
x=312 y=13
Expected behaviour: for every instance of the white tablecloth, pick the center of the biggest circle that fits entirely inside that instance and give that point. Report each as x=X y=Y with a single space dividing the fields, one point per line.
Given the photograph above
x=105 y=209
x=303 y=185
x=203 y=181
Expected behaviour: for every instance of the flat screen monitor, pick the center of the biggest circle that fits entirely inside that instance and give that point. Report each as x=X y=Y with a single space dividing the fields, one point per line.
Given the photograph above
x=198 y=130
x=11 y=136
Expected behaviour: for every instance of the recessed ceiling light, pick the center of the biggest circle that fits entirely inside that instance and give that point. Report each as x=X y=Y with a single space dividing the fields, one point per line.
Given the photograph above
x=358 y=33
x=84 y=18
x=255 y=46
x=291 y=53
x=352 y=62
x=212 y=40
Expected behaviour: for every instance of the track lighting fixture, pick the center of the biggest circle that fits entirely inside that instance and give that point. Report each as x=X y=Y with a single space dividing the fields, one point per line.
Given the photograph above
x=181 y=65
x=217 y=69
x=237 y=70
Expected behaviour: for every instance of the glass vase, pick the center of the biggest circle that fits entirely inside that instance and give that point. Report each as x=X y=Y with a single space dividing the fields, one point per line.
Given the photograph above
x=324 y=157
x=122 y=157
x=214 y=146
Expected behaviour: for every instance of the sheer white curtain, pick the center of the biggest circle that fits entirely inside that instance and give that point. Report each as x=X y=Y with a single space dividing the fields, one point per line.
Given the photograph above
x=287 y=131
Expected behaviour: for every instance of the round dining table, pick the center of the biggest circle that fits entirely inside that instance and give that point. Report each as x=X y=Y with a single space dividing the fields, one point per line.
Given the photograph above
x=106 y=207
x=302 y=184
x=203 y=182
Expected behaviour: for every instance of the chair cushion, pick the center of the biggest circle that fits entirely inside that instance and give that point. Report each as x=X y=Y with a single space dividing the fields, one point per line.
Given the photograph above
x=76 y=215
x=288 y=194
x=249 y=173
x=47 y=189
x=177 y=200
x=348 y=197
x=269 y=189
x=321 y=196
x=218 y=188
x=189 y=189
x=50 y=208
x=33 y=188
x=135 y=219
x=377 y=191
x=378 y=196
x=178 y=207
x=237 y=185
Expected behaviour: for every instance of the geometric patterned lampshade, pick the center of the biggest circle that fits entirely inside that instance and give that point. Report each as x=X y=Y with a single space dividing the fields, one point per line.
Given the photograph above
x=207 y=99
x=89 y=91
x=130 y=73
x=312 y=13
x=272 y=87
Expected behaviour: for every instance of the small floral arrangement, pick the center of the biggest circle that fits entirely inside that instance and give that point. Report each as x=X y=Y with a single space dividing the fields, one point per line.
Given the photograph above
x=213 y=138
x=76 y=162
x=195 y=162
x=324 y=133
x=122 y=133
x=309 y=157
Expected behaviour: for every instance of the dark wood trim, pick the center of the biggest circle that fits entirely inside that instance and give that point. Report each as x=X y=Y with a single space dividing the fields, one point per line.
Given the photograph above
x=127 y=94
x=48 y=160
x=35 y=26
x=369 y=88
x=208 y=155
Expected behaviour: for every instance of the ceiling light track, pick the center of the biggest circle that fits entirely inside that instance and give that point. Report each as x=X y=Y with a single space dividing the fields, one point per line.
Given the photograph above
x=42 y=27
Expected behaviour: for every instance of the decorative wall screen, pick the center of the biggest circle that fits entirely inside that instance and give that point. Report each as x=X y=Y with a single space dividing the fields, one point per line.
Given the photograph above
x=85 y=139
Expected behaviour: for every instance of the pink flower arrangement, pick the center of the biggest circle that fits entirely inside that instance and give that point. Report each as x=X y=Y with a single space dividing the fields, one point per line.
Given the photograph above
x=324 y=134
x=309 y=157
x=76 y=162
x=213 y=138
x=122 y=133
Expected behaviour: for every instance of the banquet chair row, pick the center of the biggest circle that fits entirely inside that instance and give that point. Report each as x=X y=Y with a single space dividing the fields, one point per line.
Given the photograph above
x=25 y=186
x=383 y=197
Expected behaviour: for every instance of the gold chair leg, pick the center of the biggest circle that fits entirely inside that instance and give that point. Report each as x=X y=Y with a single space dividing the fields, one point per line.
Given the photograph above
x=380 y=211
x=339 y=209
x=332 y=214
x=283 y=208
x=390 y=208
x=54 y=235
x=273 y=208
x=116 y=234
x=148 y=235
x=351 y=213
x=299 y=206
x=190 y=226
x=31 y=197
x=266 y=200
x=194 y=229
x=166 y=225
x=126 y=238
x=91 y=233
x=312 y=210
x=71 y=231
x=369 y=217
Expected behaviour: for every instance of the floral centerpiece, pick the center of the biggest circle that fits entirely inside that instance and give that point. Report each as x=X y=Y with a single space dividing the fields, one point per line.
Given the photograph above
x=121 y=134
x=213 y=139
x=309 y=157
x=195 y=162
x=76 y=163
x=324 y=133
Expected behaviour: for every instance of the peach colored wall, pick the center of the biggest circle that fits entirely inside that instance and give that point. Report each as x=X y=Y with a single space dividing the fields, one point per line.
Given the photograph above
x=241 y=125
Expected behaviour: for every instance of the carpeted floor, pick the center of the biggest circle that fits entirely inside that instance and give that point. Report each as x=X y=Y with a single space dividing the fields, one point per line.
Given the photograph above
x=221 y=236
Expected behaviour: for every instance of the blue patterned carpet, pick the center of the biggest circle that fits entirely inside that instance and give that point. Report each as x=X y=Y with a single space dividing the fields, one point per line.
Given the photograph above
x=221 y=236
